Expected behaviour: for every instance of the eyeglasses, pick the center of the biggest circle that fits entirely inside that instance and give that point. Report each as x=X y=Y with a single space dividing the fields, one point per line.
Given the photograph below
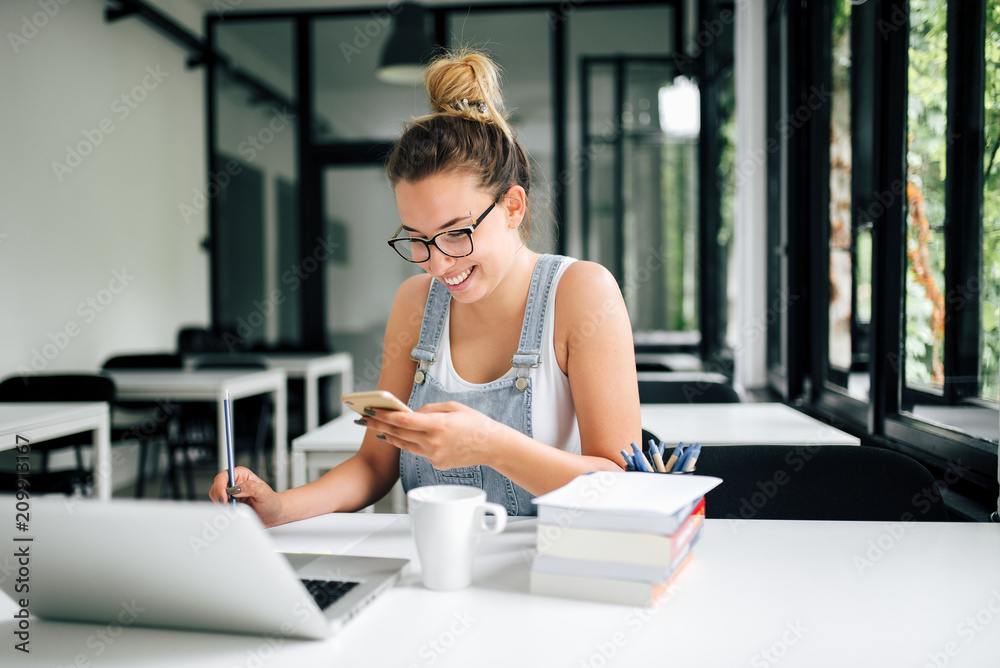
x=453 y=243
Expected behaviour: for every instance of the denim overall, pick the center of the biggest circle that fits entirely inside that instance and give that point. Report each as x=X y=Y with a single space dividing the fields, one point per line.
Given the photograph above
x=506 y=400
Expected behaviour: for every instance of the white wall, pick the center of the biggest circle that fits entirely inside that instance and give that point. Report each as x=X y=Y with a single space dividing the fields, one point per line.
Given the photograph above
x=95 y=257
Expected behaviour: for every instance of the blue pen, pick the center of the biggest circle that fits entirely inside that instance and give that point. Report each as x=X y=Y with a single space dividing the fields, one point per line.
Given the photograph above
x=656 y=454
x=691 y=457
x=679 y=464
x=686 y=459
x=628 y=460
x=227 y=408
x=640 y=459
x=674 y=456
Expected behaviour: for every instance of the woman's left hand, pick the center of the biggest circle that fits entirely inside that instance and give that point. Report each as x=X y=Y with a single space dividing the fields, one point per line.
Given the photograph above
x=450 y=435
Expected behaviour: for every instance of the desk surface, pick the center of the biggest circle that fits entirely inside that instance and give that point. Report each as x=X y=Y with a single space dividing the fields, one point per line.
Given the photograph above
x=295 y=364
x=760 y=593
x=709 y=424
x=739 y=424
x=196 y=385
x=22 y=422
x=17 y=416
x=210 y=385
x=339 y=434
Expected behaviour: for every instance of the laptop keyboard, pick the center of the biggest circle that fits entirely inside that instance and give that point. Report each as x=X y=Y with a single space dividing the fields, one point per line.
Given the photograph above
x=328 y=592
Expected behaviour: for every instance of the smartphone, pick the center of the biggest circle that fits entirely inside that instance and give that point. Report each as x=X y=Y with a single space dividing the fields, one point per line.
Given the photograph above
x=359 y=401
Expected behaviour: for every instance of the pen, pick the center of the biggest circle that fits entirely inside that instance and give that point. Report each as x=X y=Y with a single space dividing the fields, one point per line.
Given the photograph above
x=691 y=457
x=674 y=456
x=628 y=460
x=228 y=415
x=681 y=458
x=640 y=459
x=657 y=455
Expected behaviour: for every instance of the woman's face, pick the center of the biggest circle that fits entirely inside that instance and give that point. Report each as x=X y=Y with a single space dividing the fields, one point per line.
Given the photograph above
x=451 y=201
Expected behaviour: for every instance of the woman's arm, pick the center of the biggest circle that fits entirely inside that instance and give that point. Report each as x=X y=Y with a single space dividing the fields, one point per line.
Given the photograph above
x=370 y=474
x=594 y=337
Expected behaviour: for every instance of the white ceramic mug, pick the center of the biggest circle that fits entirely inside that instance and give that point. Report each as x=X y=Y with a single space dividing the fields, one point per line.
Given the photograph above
x=447 y=521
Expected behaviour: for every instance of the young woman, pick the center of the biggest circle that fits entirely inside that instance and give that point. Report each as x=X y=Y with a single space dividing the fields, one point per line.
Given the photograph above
x=519 y=366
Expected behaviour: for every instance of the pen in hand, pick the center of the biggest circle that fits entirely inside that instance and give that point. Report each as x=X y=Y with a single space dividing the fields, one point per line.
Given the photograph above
x=228 y=419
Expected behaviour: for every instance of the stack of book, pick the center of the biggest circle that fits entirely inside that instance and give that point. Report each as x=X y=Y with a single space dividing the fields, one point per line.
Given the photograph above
x=618 y=537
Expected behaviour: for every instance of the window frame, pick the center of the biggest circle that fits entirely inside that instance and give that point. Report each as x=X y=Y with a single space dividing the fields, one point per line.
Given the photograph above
x=879 y=97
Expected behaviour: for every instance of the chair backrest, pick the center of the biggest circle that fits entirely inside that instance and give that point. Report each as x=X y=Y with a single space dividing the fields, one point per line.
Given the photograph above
x=686 y=388
x=819 y=482
x=58 y=387
x=194 y=340
x=144 y=361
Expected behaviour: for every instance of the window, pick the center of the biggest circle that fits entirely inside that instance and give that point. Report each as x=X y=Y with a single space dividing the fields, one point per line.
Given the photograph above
x=990 y=293
x=850 y=235
x=905 y=243
x=926 y=162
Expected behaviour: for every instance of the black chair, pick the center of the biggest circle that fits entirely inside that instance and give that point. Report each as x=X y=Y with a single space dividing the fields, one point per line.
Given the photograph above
x=197 y=340
x=818 y=482
x=146 y=423
x=686 y=388
x=142 y=361
x=57 y=387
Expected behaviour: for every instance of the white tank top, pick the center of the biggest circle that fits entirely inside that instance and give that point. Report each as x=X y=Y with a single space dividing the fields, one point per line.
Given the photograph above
x=553 y=415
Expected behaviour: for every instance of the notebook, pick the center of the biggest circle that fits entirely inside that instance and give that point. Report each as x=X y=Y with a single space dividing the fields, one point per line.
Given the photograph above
x=183 y=565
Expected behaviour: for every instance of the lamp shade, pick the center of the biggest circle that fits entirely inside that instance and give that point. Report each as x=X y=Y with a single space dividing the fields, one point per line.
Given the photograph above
x=408 y=49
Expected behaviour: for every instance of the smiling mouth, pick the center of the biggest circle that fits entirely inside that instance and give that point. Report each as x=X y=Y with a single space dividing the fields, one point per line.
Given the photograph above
x=458 y=279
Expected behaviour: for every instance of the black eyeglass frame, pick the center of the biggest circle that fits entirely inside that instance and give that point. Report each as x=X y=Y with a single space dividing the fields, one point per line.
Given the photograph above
x=433 y=240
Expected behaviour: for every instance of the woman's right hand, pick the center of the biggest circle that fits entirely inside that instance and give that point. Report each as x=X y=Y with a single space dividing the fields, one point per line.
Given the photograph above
x=256 y=493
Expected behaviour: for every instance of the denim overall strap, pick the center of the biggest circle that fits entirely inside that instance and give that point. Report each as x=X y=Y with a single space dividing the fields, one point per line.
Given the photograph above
x=528 y=355
x=430 y=329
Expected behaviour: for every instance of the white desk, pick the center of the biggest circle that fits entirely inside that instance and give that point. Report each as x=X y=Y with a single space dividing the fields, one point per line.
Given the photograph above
x=793 y=590
x=211 y=385
x=323 y=448
x=671 y=361
x=709 y=424
x=739 y=424
x=312 y=368
x=45 y=421
x=335 y=442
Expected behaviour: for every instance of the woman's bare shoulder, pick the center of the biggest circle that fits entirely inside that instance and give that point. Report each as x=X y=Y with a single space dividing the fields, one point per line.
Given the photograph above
x=584 y=288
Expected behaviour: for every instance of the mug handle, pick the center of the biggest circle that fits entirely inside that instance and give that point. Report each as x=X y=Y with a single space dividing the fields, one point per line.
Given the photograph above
x=499 y=514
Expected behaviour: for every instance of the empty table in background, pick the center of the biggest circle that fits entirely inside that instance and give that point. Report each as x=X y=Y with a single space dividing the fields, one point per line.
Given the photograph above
x=311 y=368
x=739 y=424
x=28 y=422
x=211 y=385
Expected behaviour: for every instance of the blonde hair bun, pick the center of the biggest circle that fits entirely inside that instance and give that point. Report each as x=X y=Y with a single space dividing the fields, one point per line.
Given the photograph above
x=466 y=83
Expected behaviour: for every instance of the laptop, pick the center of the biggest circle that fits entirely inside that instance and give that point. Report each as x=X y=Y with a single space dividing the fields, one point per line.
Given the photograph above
x=182 y=565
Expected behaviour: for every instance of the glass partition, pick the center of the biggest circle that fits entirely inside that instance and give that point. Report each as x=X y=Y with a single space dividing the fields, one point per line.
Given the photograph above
x=253 y=184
